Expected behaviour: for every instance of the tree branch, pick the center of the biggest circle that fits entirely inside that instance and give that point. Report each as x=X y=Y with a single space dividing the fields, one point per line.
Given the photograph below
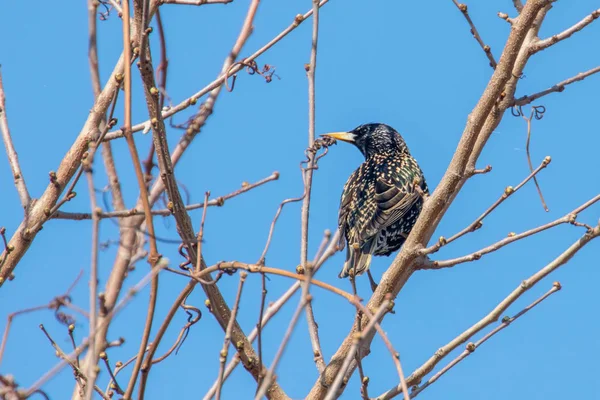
x=495 y=314
x=471 y=347
x=486 y=49
x=11 y=153
x=545 y=43
x=559 y=87
x=434 y=208
x=221 y=79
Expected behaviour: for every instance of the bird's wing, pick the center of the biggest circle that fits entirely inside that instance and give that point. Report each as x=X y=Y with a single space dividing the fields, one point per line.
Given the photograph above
x=347 y=204
x=393 y=201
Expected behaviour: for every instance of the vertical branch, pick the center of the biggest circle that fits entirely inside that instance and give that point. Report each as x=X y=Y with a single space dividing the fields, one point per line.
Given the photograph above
x=153 y=256
x=227 y=341
x=91 y=366
x=13 y=159
x=263 y=299
x=308 y=175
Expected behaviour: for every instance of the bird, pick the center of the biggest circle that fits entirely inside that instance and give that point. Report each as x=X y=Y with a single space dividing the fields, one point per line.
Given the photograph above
x=381 y=200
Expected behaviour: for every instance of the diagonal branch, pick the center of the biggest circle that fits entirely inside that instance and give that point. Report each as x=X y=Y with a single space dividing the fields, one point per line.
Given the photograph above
x=486 y=49
x=559 y=87
x=570 y=218
x=221 y=79
x=13 y=159
x=477 y=224
x=165 y=212
x=496 y=313
x=545 y=43
x=471 y=347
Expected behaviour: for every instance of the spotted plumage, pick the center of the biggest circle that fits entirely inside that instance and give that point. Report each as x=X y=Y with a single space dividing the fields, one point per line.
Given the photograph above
x=380 y=203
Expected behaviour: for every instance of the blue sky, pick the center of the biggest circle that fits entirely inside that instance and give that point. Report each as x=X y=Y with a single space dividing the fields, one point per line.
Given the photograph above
x=411 y=65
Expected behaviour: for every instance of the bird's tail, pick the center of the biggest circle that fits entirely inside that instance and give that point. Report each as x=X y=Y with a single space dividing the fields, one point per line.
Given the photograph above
x=357 y=262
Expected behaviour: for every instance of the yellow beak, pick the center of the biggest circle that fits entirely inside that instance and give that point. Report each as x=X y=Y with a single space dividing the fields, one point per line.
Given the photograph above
x=343 y=136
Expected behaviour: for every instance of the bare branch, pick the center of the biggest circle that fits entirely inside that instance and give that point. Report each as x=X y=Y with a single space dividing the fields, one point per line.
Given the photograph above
x=274 y=307
x=559 y=87
x=165 y=212
x=495 y=314
x=358 y=338
x=313 y=328
x=477 y=224
x=545 y=43
x=76 y=369
x=227 y=341
x=90 y=372
x=567 y=219
x=486 y=49
x=234 y=69
x=11 y=153
x=395 y=355
x=471 y=347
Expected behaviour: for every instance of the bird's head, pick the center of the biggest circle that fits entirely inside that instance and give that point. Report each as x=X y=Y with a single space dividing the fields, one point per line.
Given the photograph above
x=372 y=139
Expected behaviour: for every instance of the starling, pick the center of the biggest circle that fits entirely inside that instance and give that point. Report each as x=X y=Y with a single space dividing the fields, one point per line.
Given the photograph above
x=381 y=201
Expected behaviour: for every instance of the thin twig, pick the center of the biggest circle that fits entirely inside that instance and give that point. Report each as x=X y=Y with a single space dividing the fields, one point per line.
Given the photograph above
x=69 y=359
x=313 y=328
x=508 y=191
x=263 y=300
x=274 y=307
x=471 y=347
x=263 y=256
x=221 y=79
x=270 y=376
x=545 y=43
x=495 y=314
x=219 y=201
x=77 y=371
x=357 y=338
x=201 y=233
x=259 y=269
x=569 y=218
x=153 y=257
x=113 y=378
x=227 y=340
x=93 y=361
x=395 y=355
x=11 y=153
x=559 y=87
x=486 y=49
x=53 y=304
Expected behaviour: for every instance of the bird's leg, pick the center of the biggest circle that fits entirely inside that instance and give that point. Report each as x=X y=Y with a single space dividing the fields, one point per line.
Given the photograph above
x=372 y=281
